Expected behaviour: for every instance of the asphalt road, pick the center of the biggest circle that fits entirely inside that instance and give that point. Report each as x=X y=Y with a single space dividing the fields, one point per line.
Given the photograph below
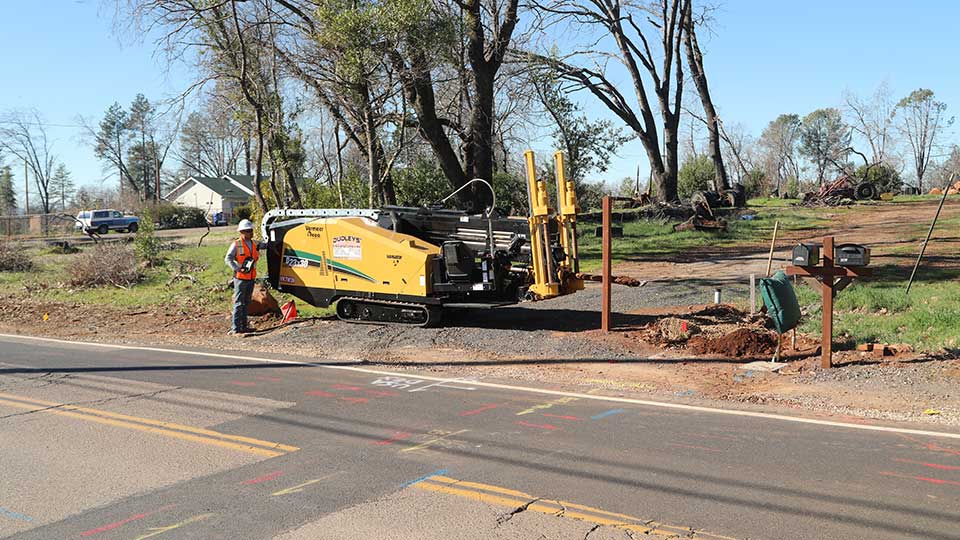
x=117 y=443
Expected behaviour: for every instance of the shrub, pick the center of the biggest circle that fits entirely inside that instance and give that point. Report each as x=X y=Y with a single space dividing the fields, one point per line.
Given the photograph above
x=886 y=178
x=105 y=264
x=240 y=213
x=169 y=216
x=755 y=183
x=420 y=184
x=146 y=245
x=695 y=174
x=14 y=258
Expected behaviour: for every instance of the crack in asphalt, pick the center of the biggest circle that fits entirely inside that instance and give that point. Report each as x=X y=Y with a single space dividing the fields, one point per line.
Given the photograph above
x=130 y=397
x=562 y=511
x=594 y=528
x=47 y=377
x=522 y=508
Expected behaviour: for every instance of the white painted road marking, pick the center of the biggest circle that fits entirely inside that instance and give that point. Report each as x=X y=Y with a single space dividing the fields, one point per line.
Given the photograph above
x=445 y=383
x=644 y=402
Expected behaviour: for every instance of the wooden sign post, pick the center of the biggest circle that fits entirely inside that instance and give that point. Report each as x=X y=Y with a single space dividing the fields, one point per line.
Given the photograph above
x=832 y=278
x=606 y=268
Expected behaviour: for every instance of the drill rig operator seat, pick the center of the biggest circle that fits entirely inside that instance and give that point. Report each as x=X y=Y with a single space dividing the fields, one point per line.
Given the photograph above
x=458 y=261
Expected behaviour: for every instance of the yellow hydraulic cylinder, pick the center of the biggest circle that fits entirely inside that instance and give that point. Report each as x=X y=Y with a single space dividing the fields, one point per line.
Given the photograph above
x=545 y=283
x=567 y=217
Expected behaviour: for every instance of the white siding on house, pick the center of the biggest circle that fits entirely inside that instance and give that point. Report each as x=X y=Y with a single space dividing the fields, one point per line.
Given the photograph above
x=200 y=196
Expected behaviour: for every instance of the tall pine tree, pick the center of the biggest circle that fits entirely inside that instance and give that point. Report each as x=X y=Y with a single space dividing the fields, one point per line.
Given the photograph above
x=8 y=197
x=61 y=188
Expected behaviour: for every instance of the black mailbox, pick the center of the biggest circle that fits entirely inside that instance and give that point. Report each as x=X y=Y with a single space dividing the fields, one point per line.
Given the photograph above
x=806 y=255
x=851 y=255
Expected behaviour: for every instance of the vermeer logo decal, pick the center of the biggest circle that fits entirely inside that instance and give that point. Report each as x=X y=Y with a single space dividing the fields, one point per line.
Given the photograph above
x=347 y=247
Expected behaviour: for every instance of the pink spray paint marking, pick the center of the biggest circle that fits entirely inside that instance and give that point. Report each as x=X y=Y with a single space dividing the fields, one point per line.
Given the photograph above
x=115 y=525
x=356 y=399
x=395 y=438
x=933 y=447
x=319 y=393
x=549 y=427
x=561 y=416
x=695 y=447
x=938 y=481
x=262 y=479
x=480 y=410
x=931 y=465
x=243 y=383
x=346 y=387
x=122 y=522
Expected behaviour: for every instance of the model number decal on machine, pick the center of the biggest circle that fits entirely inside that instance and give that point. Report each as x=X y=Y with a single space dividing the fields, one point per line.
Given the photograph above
x=295 y=262
x=347 y=247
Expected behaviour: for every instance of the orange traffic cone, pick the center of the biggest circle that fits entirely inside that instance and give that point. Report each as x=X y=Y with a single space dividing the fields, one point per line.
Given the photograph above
x=289 y=311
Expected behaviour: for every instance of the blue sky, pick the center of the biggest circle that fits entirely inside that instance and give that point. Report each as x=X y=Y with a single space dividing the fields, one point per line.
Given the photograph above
x=763 y=59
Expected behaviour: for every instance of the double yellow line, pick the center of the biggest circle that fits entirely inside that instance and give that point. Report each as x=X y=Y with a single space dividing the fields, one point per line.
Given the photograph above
x=514 y=499
x=167 y=429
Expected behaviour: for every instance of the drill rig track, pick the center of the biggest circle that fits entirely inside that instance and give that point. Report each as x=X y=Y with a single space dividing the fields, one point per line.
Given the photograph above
x=370 y=311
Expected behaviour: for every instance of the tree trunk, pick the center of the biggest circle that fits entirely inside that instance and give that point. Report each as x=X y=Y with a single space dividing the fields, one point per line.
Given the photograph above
x=373 y=164
x=258 y=178
x=695 y=61
x=479 y=158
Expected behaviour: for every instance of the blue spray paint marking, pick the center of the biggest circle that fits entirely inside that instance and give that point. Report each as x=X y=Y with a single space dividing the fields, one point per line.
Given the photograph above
x=422 y=478
x=607 y=413
x=11 y=513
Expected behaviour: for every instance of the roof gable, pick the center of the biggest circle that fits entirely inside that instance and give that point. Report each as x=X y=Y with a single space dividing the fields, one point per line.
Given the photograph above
x=222 y=187
x=243 y=181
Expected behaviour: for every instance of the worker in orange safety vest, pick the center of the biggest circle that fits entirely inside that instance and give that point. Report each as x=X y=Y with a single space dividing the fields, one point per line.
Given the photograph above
x=242 y=258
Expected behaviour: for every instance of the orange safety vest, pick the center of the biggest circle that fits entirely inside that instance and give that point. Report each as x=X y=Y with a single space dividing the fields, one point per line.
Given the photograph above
x=243 y=255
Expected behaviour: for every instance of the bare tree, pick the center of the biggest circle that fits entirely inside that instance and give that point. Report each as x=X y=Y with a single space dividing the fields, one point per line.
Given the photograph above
x=922 y=120
x=872 y=120
x=631 y=27
x=697 y=72
x=779 y=141
x=22 y=134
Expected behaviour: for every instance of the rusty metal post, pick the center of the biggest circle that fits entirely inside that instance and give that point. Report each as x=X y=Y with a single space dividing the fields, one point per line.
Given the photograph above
x=606 y=270
x=826 y=347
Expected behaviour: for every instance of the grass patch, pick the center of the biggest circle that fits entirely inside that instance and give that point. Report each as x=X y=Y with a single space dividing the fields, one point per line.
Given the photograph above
x=771 y=202
x=157 y=288
x=879 y=310
x=656 y=240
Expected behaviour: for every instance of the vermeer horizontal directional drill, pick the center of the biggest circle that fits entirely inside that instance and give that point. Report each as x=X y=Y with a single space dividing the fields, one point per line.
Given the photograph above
x=404 y=265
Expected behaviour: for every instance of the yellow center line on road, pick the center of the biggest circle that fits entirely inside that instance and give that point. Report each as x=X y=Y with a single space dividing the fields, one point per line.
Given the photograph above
x=254 y=446
x=165 y=425
x=511 y=498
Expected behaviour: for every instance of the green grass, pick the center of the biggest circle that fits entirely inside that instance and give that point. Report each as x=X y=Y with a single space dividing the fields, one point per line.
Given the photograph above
x=879 y=310
x=205 y=264
x=656 y=240
x=771 y=202
x=920 y=198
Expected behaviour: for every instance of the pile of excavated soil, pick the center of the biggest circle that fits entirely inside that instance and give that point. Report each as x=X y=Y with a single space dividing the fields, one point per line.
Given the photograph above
x=742 y=342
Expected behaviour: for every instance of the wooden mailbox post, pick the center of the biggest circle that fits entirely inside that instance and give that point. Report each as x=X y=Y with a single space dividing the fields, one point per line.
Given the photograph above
x=832 y=278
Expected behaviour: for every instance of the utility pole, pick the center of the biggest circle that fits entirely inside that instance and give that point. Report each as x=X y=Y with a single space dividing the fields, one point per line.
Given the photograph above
x=26 y=189
x=156 y=168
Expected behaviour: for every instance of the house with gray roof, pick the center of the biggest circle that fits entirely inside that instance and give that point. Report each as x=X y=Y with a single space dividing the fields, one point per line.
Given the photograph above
x=213 y=194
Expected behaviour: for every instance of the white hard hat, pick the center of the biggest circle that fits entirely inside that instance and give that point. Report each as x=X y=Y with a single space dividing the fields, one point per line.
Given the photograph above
x=245 y=225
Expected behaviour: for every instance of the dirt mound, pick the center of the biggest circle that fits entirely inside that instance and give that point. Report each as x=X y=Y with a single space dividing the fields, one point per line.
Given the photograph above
x=739 y=343
x=262 y=302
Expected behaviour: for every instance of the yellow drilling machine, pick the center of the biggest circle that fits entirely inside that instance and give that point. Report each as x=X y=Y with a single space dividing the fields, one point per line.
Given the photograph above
x=403 y=265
